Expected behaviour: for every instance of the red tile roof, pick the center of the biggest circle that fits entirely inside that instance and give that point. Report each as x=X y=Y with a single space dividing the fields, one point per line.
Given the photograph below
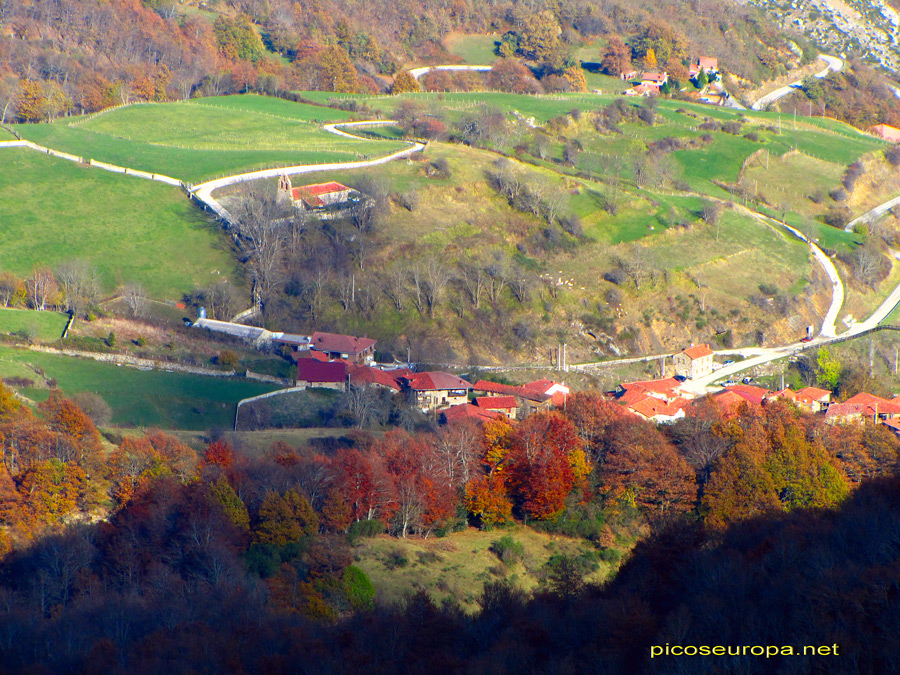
x=496 y=402
x=874 y=403
x=435 y=381
x=729 y=400
x=697 y=351
x=814 y=393
x=837 y=411
x=370 y=375
x=650 y=407
x=342 y=344
x=311 y=193
x=318 y=372
x=750 y=393
x=469 y=411
x=654 y=77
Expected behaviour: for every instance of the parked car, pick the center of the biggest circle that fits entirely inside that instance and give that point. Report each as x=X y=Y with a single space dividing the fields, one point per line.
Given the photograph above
x=728 y=383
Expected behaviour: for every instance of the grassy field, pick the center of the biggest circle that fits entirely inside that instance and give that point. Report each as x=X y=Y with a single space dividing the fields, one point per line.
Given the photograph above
x=457 y=566
x=474 y=49
x=132 y=230
x=39 y=326
x=137 y=398
x=207 y=138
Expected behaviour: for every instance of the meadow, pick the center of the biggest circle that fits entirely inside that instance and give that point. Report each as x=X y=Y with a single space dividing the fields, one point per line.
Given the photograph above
x=207 y=138
x=457 y=566
x=38 y=326
x=137 y=398
x=131 y=230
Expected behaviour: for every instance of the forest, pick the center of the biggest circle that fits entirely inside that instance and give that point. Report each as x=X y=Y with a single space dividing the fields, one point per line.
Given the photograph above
x=62 y=57
x=132 y=552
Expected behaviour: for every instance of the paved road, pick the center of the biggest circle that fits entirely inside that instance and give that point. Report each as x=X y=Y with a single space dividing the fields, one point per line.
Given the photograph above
x=203 y=191
x=874 y=214
x=834 y=65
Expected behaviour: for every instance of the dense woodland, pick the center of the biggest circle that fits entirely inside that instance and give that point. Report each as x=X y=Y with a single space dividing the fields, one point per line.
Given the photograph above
x=244 y=563
x=73 y=56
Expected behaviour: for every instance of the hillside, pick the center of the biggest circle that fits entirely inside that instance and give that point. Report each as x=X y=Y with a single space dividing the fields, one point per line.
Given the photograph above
x=73 y=57
x=619 y=227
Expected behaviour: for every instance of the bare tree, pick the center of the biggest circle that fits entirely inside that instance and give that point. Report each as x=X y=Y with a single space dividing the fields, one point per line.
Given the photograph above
x=135 y=299
x=41 y=287
x=867 y=262
x=394 y=284
x=437 y=276
x=258 y=231
x=79 y=283
x=473 y=280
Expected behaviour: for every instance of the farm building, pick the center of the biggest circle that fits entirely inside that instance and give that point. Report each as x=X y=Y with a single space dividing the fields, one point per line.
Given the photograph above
x=693 y=362
x=348 y=347
x=434 y=389
x=315 y=196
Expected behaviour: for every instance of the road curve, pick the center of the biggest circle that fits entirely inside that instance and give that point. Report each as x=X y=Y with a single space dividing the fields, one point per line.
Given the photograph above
x=834 y=65
x=203 y=191
x=419 y=72
x=873 y=215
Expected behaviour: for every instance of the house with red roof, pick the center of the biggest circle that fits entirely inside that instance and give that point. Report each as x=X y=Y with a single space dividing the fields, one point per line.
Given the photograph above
x=812 y=399
x=468 y=411
x=530 y=397
x=693 y=362
x=655 y=78
x=325 y=374
x=661 y=401
x=347 y=347
x=435 y=389
x=658 y=410
x=861 y=408
x=506 y=405
x=710 y=64
x=315 y=196
x=644 y=89
x=751 y=394
x=886 y=131
x=367 y=376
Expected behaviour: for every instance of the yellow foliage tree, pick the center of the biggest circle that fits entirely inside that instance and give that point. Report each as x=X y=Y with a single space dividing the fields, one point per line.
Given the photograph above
x=405 y=83
x=650 y=58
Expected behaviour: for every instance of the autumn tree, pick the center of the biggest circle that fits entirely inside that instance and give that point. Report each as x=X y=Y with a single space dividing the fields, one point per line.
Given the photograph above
x=642 y=468
x=336 y=71
x=405 y=83
x=547 y=461
x=285 y=518
x=487 y=499
x=616 y=57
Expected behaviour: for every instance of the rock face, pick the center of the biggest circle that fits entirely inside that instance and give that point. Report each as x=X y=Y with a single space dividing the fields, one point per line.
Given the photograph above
x=863 y=27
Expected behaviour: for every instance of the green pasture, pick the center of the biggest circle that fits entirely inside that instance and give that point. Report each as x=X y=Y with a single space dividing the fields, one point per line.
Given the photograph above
x=207 y=138
x=131 y=230
x=477 y=49
x=40 y=326
x=137 y=398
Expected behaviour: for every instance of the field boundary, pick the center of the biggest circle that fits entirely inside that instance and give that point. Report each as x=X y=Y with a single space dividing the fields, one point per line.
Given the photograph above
x=158 y=177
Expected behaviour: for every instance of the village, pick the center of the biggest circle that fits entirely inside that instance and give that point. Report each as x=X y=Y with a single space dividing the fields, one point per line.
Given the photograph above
x=341 y=362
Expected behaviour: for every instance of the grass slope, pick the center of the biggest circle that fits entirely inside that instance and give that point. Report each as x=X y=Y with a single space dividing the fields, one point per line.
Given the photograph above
x=457 y=566
x=137 y=398
x=41 y=326
x=204 y=139
x=132 y=230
